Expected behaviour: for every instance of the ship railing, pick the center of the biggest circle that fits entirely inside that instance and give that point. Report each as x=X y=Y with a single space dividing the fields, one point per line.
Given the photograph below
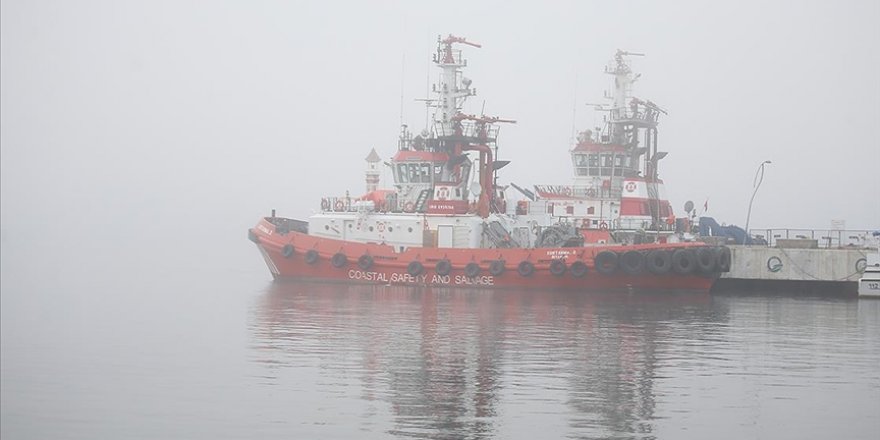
x=820 y=238
x=346 y=204
x=592 y=192
x=456 y=57
x=469 y=131
x=285 y=225
x=643 y=225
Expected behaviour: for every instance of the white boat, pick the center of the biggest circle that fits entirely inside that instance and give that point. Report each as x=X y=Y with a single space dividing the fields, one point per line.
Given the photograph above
x=869 y=283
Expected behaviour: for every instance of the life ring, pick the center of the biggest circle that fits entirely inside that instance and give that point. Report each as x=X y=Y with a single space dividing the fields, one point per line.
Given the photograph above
x=722 y=258
x=443 y=193
x=579 y=269
x=287 y=250
x=632 y=262
x=325 y=204
x=659 y=261
x=603 y=225
x=566 y=190
x=409 y=207
x=606 y=262
x=496 y=268
x=415 y=268
x=557 y=267
x=443 y=267
x=380 y=226
x=684 y=261
x=339 y=260
x=525 y=269
x=312 y=256
x=365 y=262
x=705 y=259
x=472 y=269
x=339 y=205
x=861 y=264
x=774 y=264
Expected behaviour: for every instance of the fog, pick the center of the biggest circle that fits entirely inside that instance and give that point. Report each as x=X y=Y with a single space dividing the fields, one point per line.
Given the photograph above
x=178 y=119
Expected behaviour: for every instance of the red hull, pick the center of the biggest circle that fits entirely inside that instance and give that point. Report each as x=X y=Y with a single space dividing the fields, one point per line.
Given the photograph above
x=390 y=267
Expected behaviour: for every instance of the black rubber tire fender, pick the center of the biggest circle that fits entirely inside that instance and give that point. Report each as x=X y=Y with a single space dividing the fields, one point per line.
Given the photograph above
x=632 y=262
x=579 y=269
x=659 y=261
x=415 y=268
x=722 y=258
x=365 y=262
x=525 y=269
x=706 y=259
x=684 y=261
x=443 y=267
x=287 y=250
x=606 y=262
x=312 y=256
x=558 y=267
x=472 y=269
x=339 y=260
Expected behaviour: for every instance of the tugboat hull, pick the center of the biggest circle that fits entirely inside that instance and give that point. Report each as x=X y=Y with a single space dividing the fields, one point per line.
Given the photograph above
x=297 y=255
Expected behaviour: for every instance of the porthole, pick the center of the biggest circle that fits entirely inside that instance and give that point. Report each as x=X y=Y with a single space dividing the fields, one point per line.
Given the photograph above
x=371 y=229
x=390 y=229
x=326 y=227
x=410 y=229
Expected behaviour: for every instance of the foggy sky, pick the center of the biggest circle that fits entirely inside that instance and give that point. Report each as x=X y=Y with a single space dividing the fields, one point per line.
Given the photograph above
x=174 y=114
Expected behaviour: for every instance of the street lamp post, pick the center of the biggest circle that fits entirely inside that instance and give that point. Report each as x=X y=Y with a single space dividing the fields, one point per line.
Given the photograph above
x=759 y=177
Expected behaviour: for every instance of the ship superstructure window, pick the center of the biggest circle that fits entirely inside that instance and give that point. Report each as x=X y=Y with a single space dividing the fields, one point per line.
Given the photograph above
x=400 y=174
x=415 y=172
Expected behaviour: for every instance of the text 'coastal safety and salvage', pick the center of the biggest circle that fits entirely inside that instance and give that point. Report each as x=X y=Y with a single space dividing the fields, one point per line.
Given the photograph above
x=395 y=277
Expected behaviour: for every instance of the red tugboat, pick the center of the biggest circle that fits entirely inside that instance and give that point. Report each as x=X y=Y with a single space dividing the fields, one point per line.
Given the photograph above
x=446 y=221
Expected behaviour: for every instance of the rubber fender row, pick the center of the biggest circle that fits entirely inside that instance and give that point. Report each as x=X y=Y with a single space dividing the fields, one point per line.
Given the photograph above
x=683 y=261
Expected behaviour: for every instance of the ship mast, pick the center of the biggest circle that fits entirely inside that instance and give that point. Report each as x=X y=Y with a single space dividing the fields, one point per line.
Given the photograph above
x=453 y=89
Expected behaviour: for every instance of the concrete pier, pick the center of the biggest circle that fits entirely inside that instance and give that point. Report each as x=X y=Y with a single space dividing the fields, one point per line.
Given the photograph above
x=794 y=270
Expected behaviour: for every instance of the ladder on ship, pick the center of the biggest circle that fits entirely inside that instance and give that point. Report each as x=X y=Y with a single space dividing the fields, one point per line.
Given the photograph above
x=423 y=199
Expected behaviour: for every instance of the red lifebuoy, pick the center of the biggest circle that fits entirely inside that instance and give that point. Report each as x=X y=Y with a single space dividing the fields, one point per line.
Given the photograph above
x=603 y=226
x=380 y=227
x=566 y=190
x=325 y=204
x=408 y=207
x=339 y=205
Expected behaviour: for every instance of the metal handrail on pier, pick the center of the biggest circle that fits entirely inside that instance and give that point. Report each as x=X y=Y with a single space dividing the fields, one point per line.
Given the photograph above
x=825 y=238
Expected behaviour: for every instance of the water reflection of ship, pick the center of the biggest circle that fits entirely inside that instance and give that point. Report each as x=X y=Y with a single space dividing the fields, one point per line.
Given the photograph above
x=441 y=357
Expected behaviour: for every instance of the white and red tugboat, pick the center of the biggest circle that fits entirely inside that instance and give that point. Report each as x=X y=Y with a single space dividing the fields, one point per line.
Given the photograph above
x=617 y=195
x=446 y=221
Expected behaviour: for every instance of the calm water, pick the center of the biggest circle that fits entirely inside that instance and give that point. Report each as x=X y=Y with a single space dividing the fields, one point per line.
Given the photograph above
x=203 y=348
